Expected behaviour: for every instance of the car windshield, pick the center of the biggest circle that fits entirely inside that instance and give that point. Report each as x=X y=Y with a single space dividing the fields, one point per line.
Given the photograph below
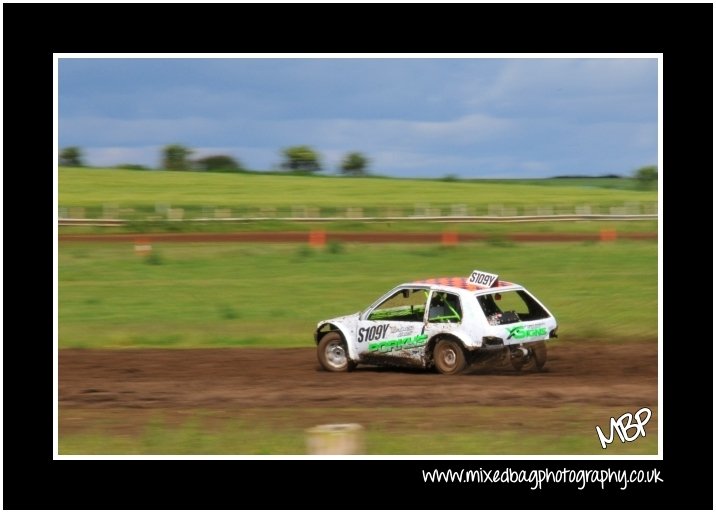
x=509 y=307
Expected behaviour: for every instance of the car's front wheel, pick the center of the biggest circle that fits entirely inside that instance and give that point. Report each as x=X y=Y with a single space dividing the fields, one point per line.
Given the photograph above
x=333 y=353
x=449 y=357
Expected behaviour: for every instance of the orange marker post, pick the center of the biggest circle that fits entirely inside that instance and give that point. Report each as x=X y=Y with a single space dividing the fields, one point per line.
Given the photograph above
x=317 y=238
x=449 y=238
x=607 y=235
x=142 y=247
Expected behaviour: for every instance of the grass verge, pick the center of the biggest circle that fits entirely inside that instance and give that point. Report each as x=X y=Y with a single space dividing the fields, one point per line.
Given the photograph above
x=467 y=430
x=271 y=295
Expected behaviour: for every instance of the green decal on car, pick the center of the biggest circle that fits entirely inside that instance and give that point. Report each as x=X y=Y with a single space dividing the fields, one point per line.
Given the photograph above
x=519 y=332
x=399 y=343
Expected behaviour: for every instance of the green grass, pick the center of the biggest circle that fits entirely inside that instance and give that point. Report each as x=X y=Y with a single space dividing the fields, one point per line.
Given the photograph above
x=189 y=438
x=585 y=183
x=239 y=440
x=266 y=295
x=471 y=430
x=243 y=192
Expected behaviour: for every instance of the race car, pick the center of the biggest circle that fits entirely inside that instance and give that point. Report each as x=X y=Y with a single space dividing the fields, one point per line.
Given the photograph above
x=442 y=323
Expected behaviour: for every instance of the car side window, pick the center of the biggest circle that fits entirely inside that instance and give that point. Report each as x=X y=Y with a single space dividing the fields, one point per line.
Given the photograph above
x=406 y=305
x=444 y=307
x=510 y=307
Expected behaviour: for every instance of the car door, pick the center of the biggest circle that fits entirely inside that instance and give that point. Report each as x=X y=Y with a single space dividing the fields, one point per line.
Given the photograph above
x=393 y=329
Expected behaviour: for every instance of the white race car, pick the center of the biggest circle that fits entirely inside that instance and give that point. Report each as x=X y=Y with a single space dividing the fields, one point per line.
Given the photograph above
x=446 y=323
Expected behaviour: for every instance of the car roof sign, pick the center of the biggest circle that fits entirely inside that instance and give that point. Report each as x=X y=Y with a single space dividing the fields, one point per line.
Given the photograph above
x=482 y=278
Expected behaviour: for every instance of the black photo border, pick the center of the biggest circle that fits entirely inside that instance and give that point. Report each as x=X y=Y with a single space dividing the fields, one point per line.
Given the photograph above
x=34 y=32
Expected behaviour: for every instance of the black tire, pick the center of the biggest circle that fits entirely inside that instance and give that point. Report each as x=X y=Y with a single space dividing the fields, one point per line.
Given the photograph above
x=333 y=353
x=537 y=357
x=518 y=362
x=449 y=357
x=539 y=354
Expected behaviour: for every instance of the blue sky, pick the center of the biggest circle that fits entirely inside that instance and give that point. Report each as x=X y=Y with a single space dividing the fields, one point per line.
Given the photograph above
x=426 y=117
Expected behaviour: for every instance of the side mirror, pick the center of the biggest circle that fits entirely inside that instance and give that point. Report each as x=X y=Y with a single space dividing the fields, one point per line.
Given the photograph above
x=498 y=296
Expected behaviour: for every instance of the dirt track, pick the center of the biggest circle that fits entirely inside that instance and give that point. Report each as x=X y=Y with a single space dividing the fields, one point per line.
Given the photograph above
x=577 y=373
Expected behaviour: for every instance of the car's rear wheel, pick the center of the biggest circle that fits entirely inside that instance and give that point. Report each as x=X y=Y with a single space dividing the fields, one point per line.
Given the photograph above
x=333 y=353
x=518 y=359
x=449 y=357
x=535 y=360
x=539 y=354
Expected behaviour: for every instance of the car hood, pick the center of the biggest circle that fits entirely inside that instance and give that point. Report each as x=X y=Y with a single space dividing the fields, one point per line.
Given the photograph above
x=344 y=319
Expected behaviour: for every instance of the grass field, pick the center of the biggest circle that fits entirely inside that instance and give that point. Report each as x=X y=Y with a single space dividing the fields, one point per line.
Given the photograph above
x=214 y=295
x=272 y=295
x=94 y=188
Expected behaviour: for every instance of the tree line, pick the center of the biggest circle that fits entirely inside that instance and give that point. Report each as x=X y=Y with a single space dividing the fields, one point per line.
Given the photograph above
x=177 y=157
x=296 y=159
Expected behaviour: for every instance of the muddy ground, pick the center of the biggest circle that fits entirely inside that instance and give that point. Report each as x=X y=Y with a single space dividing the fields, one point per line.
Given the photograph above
x=576 y=373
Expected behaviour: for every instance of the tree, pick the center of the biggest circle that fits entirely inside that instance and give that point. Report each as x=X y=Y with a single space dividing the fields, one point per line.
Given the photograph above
x=647 y=176
x=300 y=158
x=134 y=167
x=175 y=157
x=217 y=163
x=355 y=164
x=71 y=156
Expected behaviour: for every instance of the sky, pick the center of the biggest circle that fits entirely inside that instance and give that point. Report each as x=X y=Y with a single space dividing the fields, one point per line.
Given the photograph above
x=412 y=117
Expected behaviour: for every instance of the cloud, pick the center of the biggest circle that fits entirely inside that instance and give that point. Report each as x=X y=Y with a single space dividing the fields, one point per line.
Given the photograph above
x=566 y=87
x=116 y=131
x=111 y=156
x=336 y=133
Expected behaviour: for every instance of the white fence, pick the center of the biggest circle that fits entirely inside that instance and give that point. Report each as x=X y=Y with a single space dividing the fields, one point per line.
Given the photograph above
x=112 y=215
